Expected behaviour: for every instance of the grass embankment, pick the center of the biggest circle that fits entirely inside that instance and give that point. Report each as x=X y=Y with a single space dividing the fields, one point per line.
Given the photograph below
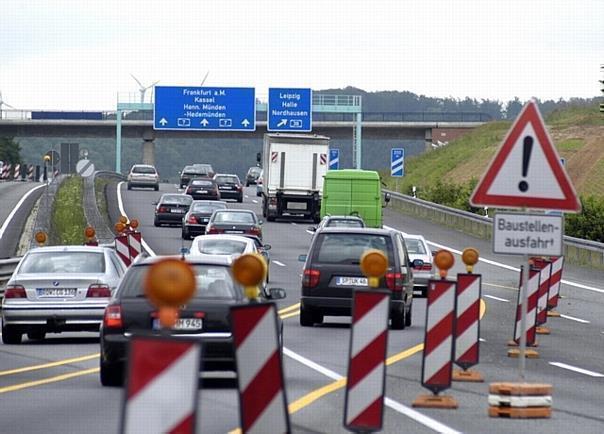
x=68 y=220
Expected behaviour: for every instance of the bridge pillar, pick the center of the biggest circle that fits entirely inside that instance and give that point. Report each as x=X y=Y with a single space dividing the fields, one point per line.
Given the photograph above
x=149 y=147
x=428 y=139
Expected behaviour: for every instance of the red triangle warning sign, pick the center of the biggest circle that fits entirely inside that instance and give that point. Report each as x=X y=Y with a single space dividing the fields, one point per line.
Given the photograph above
x=526 y=171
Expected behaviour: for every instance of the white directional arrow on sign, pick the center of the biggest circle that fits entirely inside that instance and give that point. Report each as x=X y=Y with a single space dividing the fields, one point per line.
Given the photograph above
x=282 y=123
x=245 y=123
x=163 y=122
x=204 y=122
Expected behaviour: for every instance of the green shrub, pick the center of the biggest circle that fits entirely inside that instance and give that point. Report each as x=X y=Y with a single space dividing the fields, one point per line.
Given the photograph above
x=68 y=220
x=590 y=223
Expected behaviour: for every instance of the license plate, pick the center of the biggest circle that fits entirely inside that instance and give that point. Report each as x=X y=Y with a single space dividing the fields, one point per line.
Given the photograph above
x=177 y=211
x=56 y=292
x=226 y=188
x=202 y=191
x=233 y=232
x=182 y=324
x=351 y=281
x=205 y=220
x=296 y=205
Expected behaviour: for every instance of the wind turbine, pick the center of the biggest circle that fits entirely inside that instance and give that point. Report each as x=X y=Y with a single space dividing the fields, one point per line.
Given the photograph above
x=142 y=89
x=204 y=78
x=4 y=103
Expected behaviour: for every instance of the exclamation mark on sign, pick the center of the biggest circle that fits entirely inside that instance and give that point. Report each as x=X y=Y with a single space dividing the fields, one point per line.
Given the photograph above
x=527 y=148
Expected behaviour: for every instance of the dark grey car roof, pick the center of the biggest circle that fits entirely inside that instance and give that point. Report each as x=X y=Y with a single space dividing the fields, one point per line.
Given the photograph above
x=373 y=231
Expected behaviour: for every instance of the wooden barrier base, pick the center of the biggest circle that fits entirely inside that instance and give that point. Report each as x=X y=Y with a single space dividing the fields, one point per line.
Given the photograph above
x=513 y=343
x=521 y=413
x=541 y=330
x=435 y=401
x=469 y=375
x=528 y=353
x=520 y=389
x=553 y=314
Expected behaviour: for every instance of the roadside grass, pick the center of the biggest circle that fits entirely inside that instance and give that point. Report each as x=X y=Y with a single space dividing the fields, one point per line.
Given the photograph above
x=99 y=189
x=570 y=145
x=575 y=116
x=68 y=220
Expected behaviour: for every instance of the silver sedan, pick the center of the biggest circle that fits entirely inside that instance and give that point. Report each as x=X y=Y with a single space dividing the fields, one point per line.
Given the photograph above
x=59 y=288
x=418 y=249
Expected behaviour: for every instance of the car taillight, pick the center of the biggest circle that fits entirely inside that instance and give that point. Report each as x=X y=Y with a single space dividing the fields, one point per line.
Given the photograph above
x=98 y=291
x=426 y=267
x=113 y=317
x=15 y=291
x=163 y=209
x=189 y=190
x=239 y=187
x=213 y=230
x=273 y=201
x=255 y=230
x=394 y=281
x=310 y=278
x=192 y=220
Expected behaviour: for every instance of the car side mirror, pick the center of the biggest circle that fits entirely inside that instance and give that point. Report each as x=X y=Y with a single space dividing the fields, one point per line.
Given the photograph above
x=276 y=293
x=258 y=157
x=312 y=228
x=417 y=263
x=434 y=252
x=387 y=197
x=302 y=258
x=267 y=247
x=260 y=222
x=154 y=203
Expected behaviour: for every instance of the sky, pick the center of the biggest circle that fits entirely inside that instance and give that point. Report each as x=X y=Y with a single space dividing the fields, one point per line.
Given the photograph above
x=78 y=55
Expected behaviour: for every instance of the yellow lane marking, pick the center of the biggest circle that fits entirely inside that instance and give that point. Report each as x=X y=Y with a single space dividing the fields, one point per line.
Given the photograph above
x=500 y=286
x=289 y=315
x=50 y=364
x=289 y=308
x=48 y=380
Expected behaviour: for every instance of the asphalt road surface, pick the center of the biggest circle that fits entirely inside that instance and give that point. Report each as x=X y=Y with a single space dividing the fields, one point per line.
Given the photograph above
x=53 y=386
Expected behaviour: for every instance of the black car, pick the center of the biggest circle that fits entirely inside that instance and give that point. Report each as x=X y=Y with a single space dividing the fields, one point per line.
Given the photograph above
x=235 y=221
x=252 y=175
x=332 y=273
x=195 y=221
x=203 y=188
x=204 y=317
x=195 y=171
x=170 y=209
x=230 y=187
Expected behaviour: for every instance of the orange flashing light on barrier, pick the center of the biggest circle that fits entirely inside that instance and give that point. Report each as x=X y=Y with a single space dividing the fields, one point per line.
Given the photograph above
x=169 y=283
x=133 y=223
x=119 y=227
x=470 y=258
x=89 y=232
x=444 y=261
x=41 y=238
x=123 y=219
x=249 y=270
x=374 y=265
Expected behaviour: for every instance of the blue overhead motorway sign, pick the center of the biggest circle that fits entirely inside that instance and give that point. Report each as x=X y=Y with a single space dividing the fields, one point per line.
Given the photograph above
x=289 y=109
x=397 y=162
x=204 y=108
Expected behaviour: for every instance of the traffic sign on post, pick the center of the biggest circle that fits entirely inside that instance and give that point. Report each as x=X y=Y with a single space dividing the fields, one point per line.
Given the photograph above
x=526 y=171
x=397 y=162
x=334 y=159
x=85 y=168
x=204 y=108
x=289 y=110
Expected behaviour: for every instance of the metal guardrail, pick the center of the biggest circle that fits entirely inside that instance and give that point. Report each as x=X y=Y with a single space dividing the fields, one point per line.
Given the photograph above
x=7 y=267
x=576 y=250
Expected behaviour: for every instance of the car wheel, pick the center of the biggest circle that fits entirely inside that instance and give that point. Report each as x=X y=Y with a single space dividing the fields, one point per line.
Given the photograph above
x=247 y=184
x=270 y=218
x=185 y=234
x=240 y=199
x=112 y=374
x=306 y=317
x=156 y=188
x=317 y=317
x=397 y=321
x=36 y=335
x=11 y=335
x=316 y=218
x=425 y=292
x=408 y=316
x=156 y=222
x=129 y=186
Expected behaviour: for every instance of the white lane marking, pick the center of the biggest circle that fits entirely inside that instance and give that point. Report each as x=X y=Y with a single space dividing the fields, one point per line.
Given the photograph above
x=396 y=406
x=500 y=286
x=499 y=264
x=281 y=264
x=246 y=195
x=310 y=232
x=575 y=369
x=254 y=200
x=482 y=340
x=294 y=223
x=572 y=318
x=120 y=205
x=496 y=298
x=16 y=208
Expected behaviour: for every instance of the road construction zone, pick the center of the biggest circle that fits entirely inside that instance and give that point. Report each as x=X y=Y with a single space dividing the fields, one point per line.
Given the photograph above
x=535 y=234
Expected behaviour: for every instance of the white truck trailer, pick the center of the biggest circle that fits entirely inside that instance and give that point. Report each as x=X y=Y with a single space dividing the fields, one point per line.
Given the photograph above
x=294 y=166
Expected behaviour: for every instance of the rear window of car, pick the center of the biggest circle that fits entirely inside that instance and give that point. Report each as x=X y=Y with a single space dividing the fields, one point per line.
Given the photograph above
x=227 y=179
x=208 y=207
x=254 y=171
x=143 y=169
x=221 y=247
x=213 y=282
x=202 y=183
x=63 y=262
x=415 y=246
x=348 y=248
x=345 y=223
x=176 y=199
x=234 y=217
x=197 y=171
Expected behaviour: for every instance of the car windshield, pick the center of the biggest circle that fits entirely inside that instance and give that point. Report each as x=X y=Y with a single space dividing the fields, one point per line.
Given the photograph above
x=234 y=217
x=415 y=246
x=348 y=248
x=227 y=179
x=63 y=262
x=345 y=223
x=201 y=183
x=213 y=282
x=207 y=207
x=221 y=247
x=143 y=169
x=176 y=199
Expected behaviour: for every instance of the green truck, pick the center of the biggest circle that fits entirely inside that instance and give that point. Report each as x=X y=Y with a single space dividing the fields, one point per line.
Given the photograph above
x=354 y=192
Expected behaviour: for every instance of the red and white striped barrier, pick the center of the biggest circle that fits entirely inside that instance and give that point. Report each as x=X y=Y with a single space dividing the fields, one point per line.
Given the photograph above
x=532 y=292
x=323 y=159
x=162 y=390
x=262 y=398
x=554 y=282
x=364 y=403
x=30 y=172
x=6 y=171
x=17 y=172
x=545 y=267
x=274 y=156
x=122 y=247
x=437 y=363
x=134 y=244
x=467 y=325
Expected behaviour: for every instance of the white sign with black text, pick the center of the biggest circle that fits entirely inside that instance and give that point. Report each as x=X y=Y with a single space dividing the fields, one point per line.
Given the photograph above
x=527 y=234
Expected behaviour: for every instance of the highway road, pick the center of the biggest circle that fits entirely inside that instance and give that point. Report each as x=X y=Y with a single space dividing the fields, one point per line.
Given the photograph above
x=16 y=202
x=53 y=386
